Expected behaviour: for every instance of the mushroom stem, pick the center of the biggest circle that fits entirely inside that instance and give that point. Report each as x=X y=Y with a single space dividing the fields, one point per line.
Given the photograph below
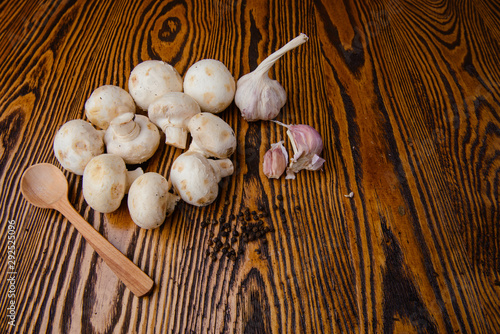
x=100 y=134
x=193 y=147
x=125 y=127
x=131 y=176
x=222 y=168
x=175 y=136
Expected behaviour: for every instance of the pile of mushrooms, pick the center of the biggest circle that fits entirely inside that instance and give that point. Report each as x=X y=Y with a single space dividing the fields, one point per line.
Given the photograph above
x=117 y=135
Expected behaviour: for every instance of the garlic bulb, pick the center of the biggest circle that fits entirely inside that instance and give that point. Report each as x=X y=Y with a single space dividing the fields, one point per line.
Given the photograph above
x=275 y=161
x=307 y=146
x=257 y=96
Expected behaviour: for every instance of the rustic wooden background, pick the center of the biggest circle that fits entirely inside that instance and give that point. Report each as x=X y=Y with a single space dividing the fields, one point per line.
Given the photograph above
x=406 y=95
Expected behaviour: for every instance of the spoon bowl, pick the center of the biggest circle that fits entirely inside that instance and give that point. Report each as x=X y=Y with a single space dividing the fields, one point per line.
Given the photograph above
x=45 y=186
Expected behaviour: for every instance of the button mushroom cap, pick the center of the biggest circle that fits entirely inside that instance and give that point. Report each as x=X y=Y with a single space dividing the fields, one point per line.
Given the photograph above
x=105 y=182
x=171 y=112
x=149 y=201
x=211 y=84
x=151 y=79
x=212 y=136
x=135 y=139
x=75 y=143
x=196 y=178
x=107 y=102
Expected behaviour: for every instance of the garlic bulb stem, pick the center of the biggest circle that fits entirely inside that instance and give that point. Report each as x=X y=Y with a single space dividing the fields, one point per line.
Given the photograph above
x=289 y=134
x=267 y=63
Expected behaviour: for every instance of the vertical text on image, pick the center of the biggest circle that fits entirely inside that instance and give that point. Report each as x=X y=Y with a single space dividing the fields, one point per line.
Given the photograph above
x=11 y=272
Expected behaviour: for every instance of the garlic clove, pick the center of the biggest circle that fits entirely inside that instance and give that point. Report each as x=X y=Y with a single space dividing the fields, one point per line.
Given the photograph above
x=275 y=161
x=257 y=96
x=307 y=146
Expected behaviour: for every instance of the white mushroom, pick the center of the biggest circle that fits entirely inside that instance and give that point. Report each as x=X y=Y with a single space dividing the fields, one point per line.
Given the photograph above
x=212 y=136
x=149 y=201
x=151 y=79
x=105 y=182
x=133 y=139
x=196 y=178
x=171 y=113
x=107 y=102
x=211 y=84
x=76 y=143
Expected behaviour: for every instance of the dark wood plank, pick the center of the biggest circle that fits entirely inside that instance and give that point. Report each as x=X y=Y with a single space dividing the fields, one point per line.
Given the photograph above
x=406 y=97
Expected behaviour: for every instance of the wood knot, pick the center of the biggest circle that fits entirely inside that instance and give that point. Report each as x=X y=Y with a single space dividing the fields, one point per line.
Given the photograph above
x=169 y=29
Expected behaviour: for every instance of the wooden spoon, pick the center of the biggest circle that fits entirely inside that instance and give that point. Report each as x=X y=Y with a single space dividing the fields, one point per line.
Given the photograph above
x=45 y=186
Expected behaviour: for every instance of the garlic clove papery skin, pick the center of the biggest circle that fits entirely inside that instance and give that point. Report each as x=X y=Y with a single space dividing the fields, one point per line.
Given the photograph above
x=275 y=161
x=307 y=146
x=305 y=138
x=259 y=97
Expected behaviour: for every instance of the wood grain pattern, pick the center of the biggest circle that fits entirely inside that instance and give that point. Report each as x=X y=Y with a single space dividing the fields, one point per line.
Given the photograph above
x=406 y=95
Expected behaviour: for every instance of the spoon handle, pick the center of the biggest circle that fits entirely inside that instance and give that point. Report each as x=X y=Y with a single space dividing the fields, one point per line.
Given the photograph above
x=134 y=278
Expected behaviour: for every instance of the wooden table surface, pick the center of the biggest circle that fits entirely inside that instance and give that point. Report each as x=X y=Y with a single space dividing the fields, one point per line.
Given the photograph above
x=406 y=96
